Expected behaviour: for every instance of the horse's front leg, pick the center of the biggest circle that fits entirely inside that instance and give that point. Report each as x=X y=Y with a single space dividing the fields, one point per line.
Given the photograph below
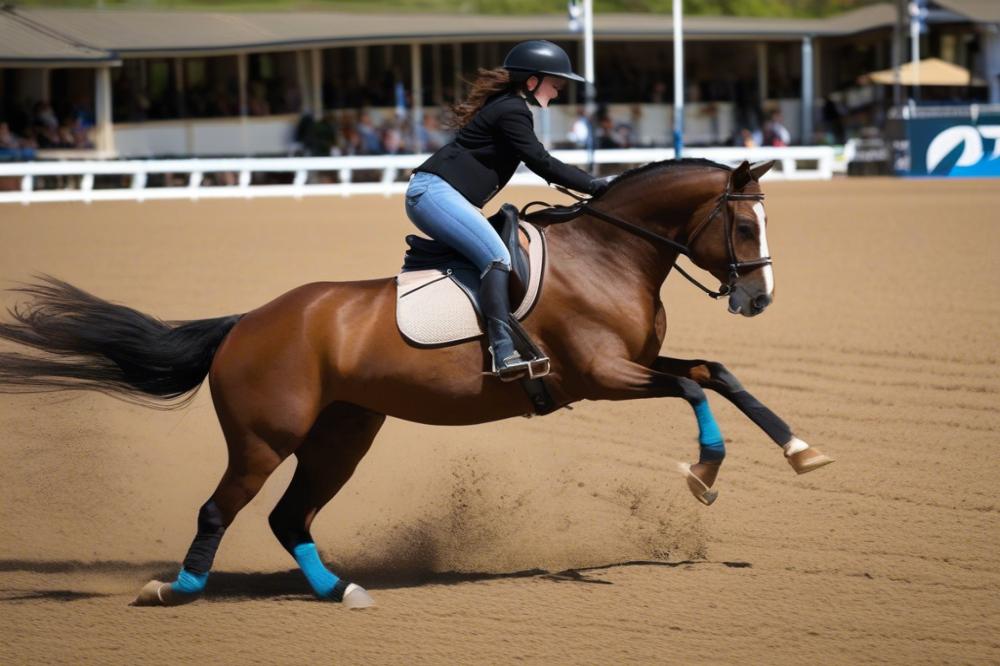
x=711 y=375
x=621 y=379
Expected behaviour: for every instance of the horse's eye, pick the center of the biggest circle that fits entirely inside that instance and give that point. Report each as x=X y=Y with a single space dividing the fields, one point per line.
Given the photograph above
x=746 y=231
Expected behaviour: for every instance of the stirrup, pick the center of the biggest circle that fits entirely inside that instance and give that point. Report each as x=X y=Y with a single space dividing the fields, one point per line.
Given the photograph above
x=514 y=367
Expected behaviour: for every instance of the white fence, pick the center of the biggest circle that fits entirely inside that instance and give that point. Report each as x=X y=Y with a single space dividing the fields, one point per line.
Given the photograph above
x=77 y=179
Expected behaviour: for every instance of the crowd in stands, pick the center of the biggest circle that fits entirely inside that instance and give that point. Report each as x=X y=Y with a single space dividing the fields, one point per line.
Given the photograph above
x=350 y=132
x=24 y=131
x=364 y=132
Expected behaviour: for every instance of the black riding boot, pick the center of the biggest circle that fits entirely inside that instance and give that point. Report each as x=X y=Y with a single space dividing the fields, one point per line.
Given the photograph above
x=494 y=299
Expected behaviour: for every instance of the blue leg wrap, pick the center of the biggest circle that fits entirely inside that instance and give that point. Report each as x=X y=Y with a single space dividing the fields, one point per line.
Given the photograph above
x=320 y=579
x=713 y=446
x=189 y=583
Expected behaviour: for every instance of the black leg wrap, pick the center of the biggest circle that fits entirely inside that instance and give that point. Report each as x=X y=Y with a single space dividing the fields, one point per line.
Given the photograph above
x=288 y=537
x=201 y=554
x=338 y=590
x=767 y=420
x=727 y=380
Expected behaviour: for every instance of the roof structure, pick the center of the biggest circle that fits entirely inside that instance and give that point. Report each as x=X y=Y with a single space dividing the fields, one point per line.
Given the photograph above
x=980 y=11
x=24 y=42
x=149 y=32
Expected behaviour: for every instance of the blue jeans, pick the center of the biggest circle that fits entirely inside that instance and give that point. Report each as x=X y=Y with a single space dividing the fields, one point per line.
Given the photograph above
x=438 y=210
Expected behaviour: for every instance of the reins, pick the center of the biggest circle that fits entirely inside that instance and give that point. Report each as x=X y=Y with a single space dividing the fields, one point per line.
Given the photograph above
x=585 y=206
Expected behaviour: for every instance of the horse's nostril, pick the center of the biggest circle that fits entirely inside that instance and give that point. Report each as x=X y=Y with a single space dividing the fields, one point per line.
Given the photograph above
x=761 y=302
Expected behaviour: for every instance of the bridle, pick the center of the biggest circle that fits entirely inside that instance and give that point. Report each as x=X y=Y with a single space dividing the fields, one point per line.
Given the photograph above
x=585 y=206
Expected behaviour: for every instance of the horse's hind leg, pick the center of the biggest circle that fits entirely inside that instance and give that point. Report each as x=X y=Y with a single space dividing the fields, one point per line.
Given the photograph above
x=262 y=429
x=327 y=458
x=711 y=375
x=251 y=462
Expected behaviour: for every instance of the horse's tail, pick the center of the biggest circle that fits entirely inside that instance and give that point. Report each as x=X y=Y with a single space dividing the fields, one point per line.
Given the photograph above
x=89 y=343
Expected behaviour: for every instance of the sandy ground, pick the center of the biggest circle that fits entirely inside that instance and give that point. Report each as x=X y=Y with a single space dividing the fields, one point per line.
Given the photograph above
x=564 y=539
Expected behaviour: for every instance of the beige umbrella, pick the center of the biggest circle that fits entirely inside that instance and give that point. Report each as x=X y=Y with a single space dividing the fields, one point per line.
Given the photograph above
x=931 y=72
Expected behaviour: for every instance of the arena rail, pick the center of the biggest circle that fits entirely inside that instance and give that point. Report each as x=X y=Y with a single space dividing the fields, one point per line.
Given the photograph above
x=76 y=179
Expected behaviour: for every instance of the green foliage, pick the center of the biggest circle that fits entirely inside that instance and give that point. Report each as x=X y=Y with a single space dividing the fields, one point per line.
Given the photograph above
x=769 y=8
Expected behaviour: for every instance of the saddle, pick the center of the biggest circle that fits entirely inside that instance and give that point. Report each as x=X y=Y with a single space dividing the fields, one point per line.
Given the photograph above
x=437 y=291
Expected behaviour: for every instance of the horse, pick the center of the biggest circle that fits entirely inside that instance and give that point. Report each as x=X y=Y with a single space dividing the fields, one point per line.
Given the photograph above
x=314 y=373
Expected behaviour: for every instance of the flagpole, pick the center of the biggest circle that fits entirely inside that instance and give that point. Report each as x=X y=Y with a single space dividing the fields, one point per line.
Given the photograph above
x=678 y=81
x=588 y=73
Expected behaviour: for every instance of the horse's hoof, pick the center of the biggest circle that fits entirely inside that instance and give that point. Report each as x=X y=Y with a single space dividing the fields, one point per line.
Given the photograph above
x=150 y=594
x=356 y=598
x=807 y=460
x=158 y=593
x=698 y=487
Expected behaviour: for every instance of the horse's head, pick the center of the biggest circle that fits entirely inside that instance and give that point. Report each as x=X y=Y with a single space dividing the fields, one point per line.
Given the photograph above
x=728 y=237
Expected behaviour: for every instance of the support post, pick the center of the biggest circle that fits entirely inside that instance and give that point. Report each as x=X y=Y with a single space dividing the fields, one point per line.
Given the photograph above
x=242 y=73
x=179 y=87
x=678 y=79
x=807 y=91
x=762 y=67
x=456 y=52
x=588 y=73
x=417 y=79
x=316 y=56
x=302 y=78
x=437 y=86
x=105 y=138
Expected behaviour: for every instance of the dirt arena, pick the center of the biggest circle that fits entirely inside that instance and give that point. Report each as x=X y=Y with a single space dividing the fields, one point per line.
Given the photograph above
x=562 y=539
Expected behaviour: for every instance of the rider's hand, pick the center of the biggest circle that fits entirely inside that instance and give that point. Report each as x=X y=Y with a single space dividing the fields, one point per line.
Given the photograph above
x=599 y=185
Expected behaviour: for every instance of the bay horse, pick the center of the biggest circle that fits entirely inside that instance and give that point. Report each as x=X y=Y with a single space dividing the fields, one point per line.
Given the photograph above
x=315 y=372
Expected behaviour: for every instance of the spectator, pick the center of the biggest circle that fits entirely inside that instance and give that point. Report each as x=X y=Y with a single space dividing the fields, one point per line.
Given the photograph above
x=12 y=147
x=257 y=105
x=775 y=133
x=579 y=132
x=370 y=143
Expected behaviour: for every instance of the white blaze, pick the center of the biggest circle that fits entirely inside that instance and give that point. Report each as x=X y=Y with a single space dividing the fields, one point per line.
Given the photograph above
x=758 y=208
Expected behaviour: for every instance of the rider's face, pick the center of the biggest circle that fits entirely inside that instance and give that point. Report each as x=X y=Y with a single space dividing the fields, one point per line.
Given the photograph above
x=547 y=90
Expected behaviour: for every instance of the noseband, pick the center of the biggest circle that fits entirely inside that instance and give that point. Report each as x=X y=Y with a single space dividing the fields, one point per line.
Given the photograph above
x=722 y=203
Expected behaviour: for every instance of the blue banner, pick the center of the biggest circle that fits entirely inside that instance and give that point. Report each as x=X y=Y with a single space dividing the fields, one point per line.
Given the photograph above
x=960 y=146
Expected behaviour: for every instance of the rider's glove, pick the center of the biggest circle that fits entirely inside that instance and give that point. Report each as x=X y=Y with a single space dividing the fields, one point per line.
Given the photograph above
x=599 y=185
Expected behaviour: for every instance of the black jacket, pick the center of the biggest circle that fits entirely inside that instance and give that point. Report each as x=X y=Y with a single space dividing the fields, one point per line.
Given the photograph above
x=486 y=152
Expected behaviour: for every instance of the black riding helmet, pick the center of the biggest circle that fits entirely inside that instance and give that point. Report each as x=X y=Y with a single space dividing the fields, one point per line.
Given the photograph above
x=538 y=58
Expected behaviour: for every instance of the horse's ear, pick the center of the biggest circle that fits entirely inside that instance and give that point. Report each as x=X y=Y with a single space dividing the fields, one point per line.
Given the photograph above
x=740 y=177
x=759 y=169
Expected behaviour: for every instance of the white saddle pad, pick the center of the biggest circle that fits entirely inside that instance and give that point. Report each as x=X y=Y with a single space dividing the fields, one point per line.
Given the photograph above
x=433 y=310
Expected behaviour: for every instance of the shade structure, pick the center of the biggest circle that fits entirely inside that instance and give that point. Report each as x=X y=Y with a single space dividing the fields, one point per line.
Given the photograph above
x=932 y=72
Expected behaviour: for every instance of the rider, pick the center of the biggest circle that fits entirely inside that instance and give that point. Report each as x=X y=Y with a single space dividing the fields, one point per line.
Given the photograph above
x=496 y=134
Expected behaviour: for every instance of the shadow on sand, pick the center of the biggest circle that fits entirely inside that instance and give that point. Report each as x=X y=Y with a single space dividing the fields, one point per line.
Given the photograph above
x=228 y=586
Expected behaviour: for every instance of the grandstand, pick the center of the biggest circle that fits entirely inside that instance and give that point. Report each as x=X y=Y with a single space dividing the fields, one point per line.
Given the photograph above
x=176 y=83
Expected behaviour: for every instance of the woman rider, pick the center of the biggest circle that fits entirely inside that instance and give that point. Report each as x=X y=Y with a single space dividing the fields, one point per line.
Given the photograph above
x=496 y=134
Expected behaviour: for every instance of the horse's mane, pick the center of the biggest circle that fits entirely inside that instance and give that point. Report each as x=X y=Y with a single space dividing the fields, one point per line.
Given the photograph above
x=670 y=164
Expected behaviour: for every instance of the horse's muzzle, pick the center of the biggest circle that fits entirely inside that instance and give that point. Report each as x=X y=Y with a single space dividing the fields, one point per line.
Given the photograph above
x=741 y=302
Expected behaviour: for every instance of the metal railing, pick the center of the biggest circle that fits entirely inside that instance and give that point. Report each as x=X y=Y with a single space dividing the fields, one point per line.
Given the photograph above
x=77 y=178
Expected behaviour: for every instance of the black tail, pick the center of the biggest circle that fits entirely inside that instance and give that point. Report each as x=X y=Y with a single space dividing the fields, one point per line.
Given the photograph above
x=88 y=343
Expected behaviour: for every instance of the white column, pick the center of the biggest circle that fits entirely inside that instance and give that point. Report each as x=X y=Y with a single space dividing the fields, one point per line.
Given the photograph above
x=104 y=136
x=417 y=81
x=316 y=56
x=678 y=78
x=807 y=91
x=588 y=53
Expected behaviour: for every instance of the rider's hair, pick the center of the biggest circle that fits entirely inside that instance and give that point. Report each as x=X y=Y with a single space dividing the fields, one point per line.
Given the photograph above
x=488 y=83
